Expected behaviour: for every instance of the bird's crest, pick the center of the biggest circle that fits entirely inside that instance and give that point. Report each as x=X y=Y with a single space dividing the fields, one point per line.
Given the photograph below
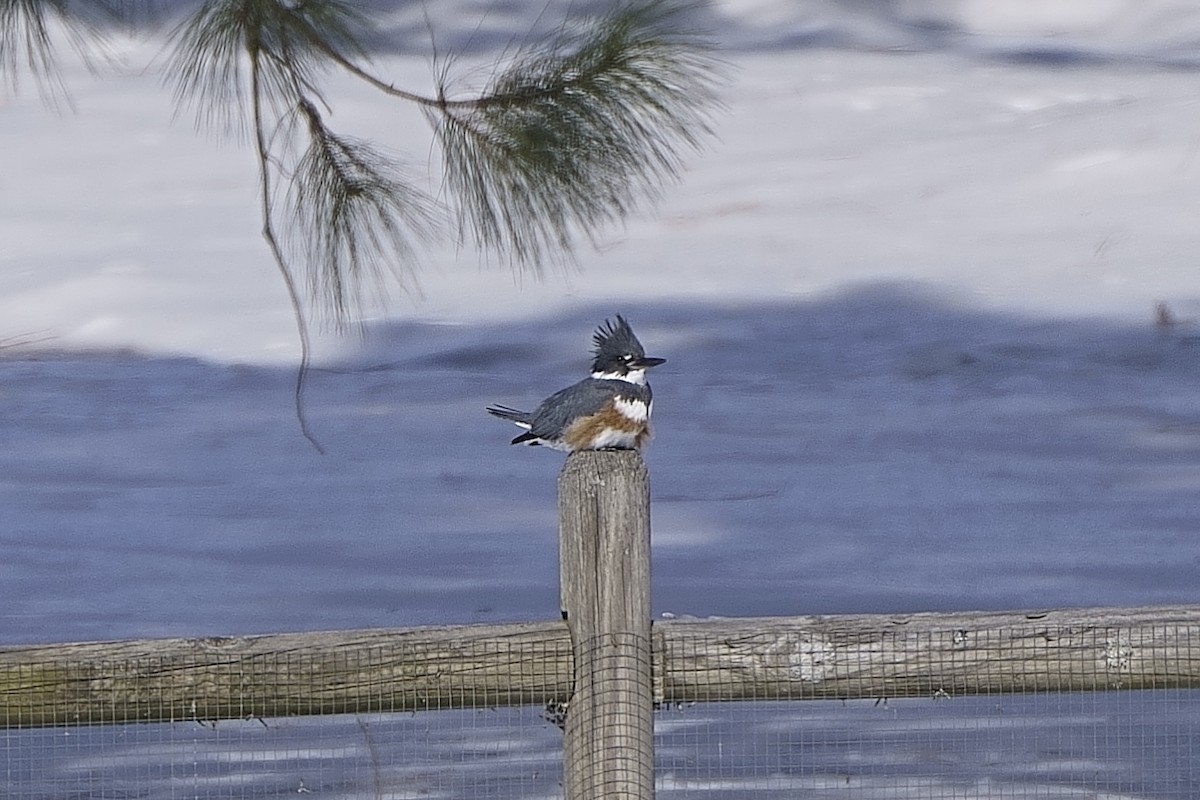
x=615 y=339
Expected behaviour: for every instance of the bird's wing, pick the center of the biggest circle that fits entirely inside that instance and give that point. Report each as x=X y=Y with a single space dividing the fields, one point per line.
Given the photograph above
x=579 y=400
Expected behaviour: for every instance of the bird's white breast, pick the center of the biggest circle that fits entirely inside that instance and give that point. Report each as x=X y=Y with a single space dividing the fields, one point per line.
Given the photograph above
x=632 y=409
x=613 y=437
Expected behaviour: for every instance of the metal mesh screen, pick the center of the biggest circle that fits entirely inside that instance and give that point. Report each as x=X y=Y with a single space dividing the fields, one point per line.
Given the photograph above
x=1138 y=744
x=608 y=724
x=485 y=753
x=1030 y=710
x=1111 y=745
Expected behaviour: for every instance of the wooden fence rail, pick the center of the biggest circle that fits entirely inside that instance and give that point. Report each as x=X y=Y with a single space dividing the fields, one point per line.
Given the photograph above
x=815 y=657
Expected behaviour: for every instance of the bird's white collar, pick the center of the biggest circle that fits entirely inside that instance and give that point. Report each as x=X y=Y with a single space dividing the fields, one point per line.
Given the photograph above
x=637 y=376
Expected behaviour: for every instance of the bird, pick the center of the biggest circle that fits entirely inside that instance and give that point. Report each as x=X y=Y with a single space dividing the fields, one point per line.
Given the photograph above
x=608 y=411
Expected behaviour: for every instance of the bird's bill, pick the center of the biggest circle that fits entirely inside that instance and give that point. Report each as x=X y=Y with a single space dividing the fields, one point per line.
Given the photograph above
x=645 y=362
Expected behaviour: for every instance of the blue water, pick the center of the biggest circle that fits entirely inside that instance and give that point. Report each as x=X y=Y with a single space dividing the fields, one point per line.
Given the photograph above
x=877 y=452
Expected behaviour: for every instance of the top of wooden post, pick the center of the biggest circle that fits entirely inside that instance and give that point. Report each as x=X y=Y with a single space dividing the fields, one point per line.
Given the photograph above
x=603 y=463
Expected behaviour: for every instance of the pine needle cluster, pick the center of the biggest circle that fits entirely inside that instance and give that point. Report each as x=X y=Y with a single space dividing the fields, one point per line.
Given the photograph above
x=27 y=43
x=570 y=137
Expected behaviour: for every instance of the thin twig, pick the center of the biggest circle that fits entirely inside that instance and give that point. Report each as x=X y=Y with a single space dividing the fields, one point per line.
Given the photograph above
x=268 y=232
x=439 y=102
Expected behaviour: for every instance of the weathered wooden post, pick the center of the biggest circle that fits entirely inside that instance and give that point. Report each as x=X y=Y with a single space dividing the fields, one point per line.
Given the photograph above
x=604 y=552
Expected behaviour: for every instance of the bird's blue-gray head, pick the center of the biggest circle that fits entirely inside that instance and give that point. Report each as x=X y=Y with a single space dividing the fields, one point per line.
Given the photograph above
x=619 y=355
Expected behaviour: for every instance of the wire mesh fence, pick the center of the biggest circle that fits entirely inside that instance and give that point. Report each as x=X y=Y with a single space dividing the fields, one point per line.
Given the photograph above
x=482 y=753
x=608 y=722
x=1093 y=704
x=1124 y=744
x=1110 y=745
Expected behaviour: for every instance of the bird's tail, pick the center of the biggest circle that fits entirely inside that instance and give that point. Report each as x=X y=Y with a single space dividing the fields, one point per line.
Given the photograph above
x=522 y=418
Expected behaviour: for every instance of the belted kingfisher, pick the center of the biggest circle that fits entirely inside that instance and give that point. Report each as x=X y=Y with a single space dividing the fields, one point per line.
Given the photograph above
x=608 y=411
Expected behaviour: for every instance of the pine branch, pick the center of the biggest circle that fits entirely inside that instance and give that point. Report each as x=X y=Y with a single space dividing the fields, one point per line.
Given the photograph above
x=350 y=220
x=569 y=140
x=356 y=218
